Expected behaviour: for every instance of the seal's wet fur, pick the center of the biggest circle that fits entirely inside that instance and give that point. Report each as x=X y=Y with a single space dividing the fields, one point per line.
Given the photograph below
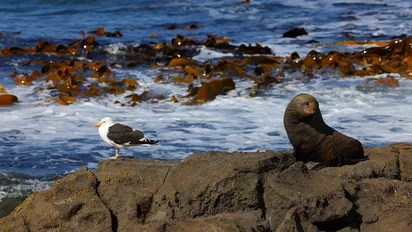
x=313 y=140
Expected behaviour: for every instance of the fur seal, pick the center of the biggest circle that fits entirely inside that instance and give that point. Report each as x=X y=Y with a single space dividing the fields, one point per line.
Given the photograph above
x=313 y=140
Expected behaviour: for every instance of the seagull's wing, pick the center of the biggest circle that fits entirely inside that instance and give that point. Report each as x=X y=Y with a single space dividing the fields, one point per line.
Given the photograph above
x=122 y=134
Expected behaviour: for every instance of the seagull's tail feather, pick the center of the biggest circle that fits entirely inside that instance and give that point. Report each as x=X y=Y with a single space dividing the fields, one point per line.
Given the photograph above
x=146 y=141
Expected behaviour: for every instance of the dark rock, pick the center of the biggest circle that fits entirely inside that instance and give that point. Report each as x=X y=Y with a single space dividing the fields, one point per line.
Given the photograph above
x=296 y=220
x=254 y=191
x=312 y=41
x=7 y=205
x=383 y=162
x=145 y=49
x=295 y=32
x=127 y=187
x=218 y=182
x=385 y=205
x=399 y=36
x=250 y=49
x=70 y=204
x=319 y=196
x=346 y=35
x=221 y=222
x=405 y=161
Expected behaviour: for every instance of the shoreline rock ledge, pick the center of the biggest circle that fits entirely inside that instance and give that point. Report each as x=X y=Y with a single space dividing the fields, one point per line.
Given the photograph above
x=221 y=191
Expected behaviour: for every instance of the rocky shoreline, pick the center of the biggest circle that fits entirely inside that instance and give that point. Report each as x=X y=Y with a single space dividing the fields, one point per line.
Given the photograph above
x=221 y=191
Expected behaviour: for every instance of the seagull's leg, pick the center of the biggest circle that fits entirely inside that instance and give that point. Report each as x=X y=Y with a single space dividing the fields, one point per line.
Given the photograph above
x=117 y=154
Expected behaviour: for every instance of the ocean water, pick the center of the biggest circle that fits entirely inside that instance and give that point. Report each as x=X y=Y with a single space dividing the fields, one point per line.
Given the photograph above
x=39 y=140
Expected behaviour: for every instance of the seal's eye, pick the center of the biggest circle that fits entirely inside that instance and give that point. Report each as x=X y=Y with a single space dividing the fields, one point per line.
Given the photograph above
x=306 y=103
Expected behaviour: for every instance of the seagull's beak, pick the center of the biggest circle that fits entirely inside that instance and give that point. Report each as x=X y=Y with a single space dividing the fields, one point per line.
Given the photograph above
x=97 y=124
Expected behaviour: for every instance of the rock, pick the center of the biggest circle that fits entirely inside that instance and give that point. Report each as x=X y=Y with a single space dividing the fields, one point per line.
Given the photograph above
x=238 y=191
x=70 y=204
x=219 y=222
x=7 y=205
x=319 y=196
x=295 y=32
x=127 y=187
x=218 y=182
x=296 y=221
x=250 y=49
x=383 y=162
x=385 y=205
x=405 y=160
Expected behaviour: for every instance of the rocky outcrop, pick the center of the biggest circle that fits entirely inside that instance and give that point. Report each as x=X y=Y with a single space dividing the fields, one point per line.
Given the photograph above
x=220 y=191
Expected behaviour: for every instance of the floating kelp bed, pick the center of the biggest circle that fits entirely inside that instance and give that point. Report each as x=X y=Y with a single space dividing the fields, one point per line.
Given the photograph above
x=80 y=70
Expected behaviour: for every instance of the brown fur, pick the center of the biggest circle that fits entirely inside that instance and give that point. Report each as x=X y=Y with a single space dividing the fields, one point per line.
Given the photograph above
x=313 y=140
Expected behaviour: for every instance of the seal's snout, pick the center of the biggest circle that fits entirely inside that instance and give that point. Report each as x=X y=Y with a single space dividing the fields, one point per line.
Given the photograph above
x=309 y=108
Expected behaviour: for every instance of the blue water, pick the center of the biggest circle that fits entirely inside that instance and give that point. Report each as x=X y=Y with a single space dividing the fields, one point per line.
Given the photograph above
x=42 y=139
x=254 y=22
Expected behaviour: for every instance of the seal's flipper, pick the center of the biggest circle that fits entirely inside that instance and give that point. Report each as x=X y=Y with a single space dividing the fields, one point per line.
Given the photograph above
x=355 y=161
x=332 y=162
x=324 y=164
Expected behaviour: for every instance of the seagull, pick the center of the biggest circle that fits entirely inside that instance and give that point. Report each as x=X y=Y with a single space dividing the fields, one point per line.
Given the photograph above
x=120 y=136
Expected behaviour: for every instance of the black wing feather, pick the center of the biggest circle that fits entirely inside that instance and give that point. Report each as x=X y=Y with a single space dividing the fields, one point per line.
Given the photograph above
x=122 y=134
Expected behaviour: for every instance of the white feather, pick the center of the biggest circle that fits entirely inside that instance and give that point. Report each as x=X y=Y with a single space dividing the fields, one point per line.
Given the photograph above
x=104 y=129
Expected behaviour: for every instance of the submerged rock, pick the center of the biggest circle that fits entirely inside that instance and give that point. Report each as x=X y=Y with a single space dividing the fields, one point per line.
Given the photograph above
x=252 y=191
x=295 y=32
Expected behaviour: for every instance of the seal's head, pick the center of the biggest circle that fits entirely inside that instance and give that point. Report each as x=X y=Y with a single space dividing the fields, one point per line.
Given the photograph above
x=303 y=107
x=307 y=104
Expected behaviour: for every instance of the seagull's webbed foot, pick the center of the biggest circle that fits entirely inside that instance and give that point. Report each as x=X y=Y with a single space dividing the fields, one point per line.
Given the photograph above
x=116 y=155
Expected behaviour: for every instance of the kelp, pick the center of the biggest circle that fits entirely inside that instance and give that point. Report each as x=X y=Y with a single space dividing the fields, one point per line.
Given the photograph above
x=69 y=77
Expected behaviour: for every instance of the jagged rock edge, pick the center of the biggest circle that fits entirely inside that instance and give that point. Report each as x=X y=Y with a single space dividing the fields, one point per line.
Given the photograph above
x=152 y=197
x=348 y=220
x=113 y=217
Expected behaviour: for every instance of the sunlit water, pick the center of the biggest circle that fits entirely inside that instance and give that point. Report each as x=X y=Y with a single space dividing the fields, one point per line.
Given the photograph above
x=39 y=138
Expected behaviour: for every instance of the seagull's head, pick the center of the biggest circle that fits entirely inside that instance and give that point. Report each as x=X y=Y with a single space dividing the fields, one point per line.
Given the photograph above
x=104 y=121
